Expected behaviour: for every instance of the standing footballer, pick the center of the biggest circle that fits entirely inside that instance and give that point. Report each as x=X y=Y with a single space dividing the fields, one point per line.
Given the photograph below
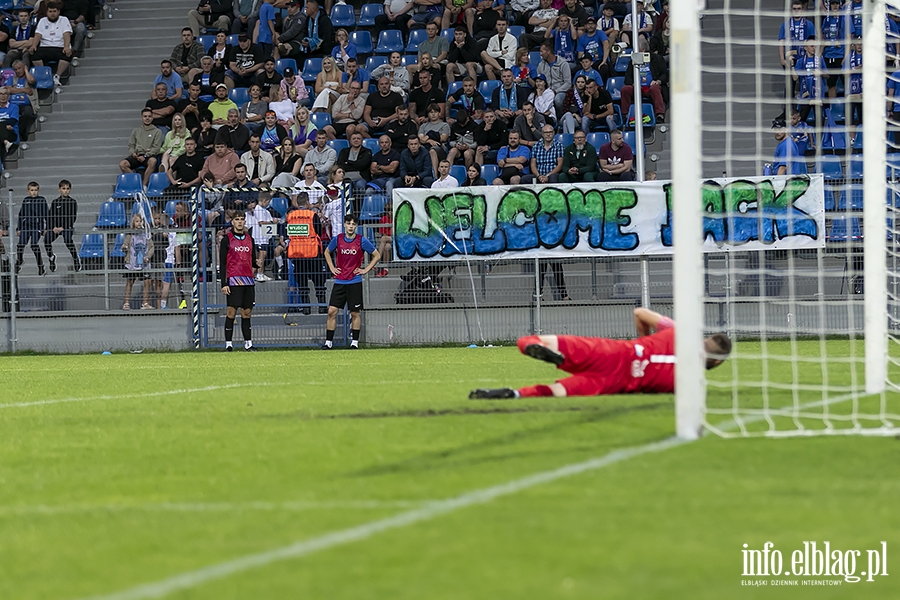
x=348 y=273
x=236 y=253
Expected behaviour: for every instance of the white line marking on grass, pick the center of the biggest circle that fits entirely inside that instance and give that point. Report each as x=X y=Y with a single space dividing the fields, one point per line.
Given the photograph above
x=366 y=530
x=298 y=505
x=209 y=388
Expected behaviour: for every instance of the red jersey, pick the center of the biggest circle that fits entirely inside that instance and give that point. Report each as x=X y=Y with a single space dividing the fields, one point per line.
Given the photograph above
x=237 y=254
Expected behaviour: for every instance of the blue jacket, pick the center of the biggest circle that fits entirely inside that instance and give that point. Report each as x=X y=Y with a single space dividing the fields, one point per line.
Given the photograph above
x=420 y=164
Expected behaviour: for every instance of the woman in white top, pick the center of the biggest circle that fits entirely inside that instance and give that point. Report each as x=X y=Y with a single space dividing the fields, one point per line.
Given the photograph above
x=284 y=109
x=219 y=52
x=327 y=83
x=398 y=75
x=542 y=97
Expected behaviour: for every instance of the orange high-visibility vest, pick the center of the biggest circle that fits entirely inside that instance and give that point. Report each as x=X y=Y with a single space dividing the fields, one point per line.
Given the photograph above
x=303 y=241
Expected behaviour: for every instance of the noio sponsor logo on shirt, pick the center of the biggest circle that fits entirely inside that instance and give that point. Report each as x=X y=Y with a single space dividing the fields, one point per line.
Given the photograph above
x=348 y=251
x=813 y=564
x=241 y=249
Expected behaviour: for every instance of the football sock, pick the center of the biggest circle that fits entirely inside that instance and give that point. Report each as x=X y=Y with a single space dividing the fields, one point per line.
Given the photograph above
x=354 y=333
x=329 y=335
x=328 y=343
x=248 y=344
x=228 y=344
x=534 y=391
x=229 y=329
x=245 y=330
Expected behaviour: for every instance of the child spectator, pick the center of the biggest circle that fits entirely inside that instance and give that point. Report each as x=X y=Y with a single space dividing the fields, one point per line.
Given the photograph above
x=164 y=248
x=264 y=228
x=61 y=222
x=182 y=221
x=138 y=247
x=31 y=226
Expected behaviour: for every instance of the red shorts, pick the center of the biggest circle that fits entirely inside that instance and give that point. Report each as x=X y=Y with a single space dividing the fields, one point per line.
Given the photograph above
x=598 y=366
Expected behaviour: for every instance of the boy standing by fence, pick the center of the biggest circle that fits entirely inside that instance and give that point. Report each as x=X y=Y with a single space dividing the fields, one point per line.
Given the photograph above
x=63 y=212
x=31 y=226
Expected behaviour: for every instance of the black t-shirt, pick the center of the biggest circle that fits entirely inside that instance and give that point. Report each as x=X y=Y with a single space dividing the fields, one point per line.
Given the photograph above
x=209 y=82
x=400 y=133
x=154 y=104
x=187 y=168
x=422 y=99
x=4 y=45
x=190 y=119
x=382 y=160
x=266 y=83
x=599 y=103
x=245 y=60
x=578 y=16
x=384 y=106
x=485 y=25
x=476 y=102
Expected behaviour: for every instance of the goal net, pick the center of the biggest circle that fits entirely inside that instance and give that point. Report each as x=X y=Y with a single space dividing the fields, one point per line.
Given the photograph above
x=789 y=98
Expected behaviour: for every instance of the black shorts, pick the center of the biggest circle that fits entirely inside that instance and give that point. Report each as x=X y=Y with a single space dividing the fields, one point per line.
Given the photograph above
x=834 y=66
x=47 y=54
x=242 y=296
x=134 y=164
x=347 y=294
x=340 y=129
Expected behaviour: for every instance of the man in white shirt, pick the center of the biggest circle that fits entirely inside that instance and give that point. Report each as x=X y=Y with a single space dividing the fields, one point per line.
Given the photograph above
x=542 y=19
x=52 y=41
x=260 y=165
x=444 y=180
x=501 y=51
x=313 y=188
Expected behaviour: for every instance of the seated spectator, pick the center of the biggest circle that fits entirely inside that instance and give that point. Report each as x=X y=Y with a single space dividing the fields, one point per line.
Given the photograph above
x=303 y=132
x=659 y=43
x=272 y=133
x=575 y=12
x=343 y=49
x=171 y=80
x=293 y=87
x=206 y=135
x=245 y=194
x=594 y=43
x=557 y=73
x=321 y=156
x=264 y=32
x=402 y=129
x=563 y=34
x=415 y=168
x=329 y=86
x=53 y=41
x=546 y=158
x=173 y=144
x=645 y=26
x=544 y=99
x=293 y=30
x=284 y=109
x=254 y=110
x=541 y=20
x=220 y=107
x=61 y=223
x=260 y=165
x=319 y=32
x=184 y=172
x=20 y=40
x=444 y=179
x=482 y=22
x=287 y=164
x=576 y=108
x=434 y=45
x=186 y=56
x=76 y=11
x=471 y=101
x=462 y=139
x=269 y=78
x=455 y=13
x=513 y=160
x=220 y=51
x=423 y=97
x=22 y=93
x=385 y=165
x=508 y=99
x=143 y=147
x=211 y=14
x=616 y=158
x=245 y=11
x=654 y=80
x=474 y=178
x=346 y=114
x=522 y=71
x=519 y=10
x=464 y=56
x=426 y=11
x=191 y=107
x=9 y=119
x=579 y=161
x=396 y=16
x=312 y=187
x=490 y=137
x=500 y=52
x=396 y=74
x=244 y=62
x=602 y=113
x=424 y=63
x=163 y=107
x=380 y=110
x=609 y=24
x=355 y=161
x=529 y=125
x=336 y=182
x=207 y=77
x=433 y=135
x=238 y=137
x=587 y=69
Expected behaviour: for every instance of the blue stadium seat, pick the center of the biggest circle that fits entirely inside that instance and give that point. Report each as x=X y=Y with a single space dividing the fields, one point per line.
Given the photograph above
x=363 y=41
x=338 y=145
x=157 y=185
x=43 y=78
x=128 y=185
x=614 y=87
x=372 y=208
x=311 y=69
x=453 y=88
x=283 y=63
x=407 y=60
x=830 y=191
x=834 y=138
x=371 y=144
x=458 y=172
x=367 y=14
x=91 y=246
x=831 y=167
x=597 y=139
x=486 y=89
x=534 y=57
x=490 y=173
x=170 y=207
x=629 y=138
x=855 y=168
x=448 y=34
x=207 y=41
x=855 y=193
x=117 y=250
x=858 y=141
x=416 y=37
x=844 y=230
x=112 y=214
x=280 y=204
x=623 y=62
x=564 y=138
x=342 y=15
x=373 y=62
x=646 y=115
x=239 y=96
x=320 y=119
x=233 y=39
x=837 y=111
x=516 y=31
x=893 y=165
x=145 y=208
x=389 y=41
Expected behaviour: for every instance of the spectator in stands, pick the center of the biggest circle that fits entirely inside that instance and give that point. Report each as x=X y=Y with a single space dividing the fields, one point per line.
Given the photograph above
x=52 y=41
x=587 y=69
x=425 y=63
x=489 y=138
x=796 y=29
x=283 y=107
x=396 y=16
x=346 y=114
x=272 y=133
x=184 y=172
x=576 y=108
x=541 y=20
x=245 y=11
x=173 y=144
x=522 y=71
x=293 y=30
x=321 y=156
x=244 y=62
x=303 y=132
x=508 y=99
x=800 y=133
x=186 y=56
x=20 y=41
x=143 y=147
x=191 y=107
x=172 y=81
x=355 y=161
x=220 y=51
x=294 y=88
x=426 y=11
x=482 y=22
x=338 y=183
x=609 y=24
x=343 y=49
x=575 y=11
x=435 y=45
x=402 y=129
x=853 y=64
x=221 y=105
x=22 y=94
x=810 y=72
x=162 y=106
x=513 y=160
x=434 y=135
x=616 y=159
x=594 y=43
x=424 y=96
x=238 y=136
x=260 y=165
x=207 y=77
x=243 y=193
x=529 y=125
x=328 y=86
x=654 y=83
x=464 y=56
x=473 y=176
x=543 y=99
x=645 y=26
x=312 y=187
x=267 y=78
x=471 y=101
x=462 y=139
x=415 y=168
x=76 y=11
x=287 y=164
x=444 y=179
x=206 y=135
x=9 y=120
x=353 y=72
x=210 y=14
x=380 y=110
x=501 y=51
x=602 y=113
x=557 y=72
x=455 y=13
x=563 y=34
x=659 y=43
x=546 y=158
x=61 y=223
x=385 y=165
x=396 y=74
x=138 y=248
x=319 y=32
x=254 y=110
x=788 y=158
x=220 y=164
x=579 y=160
x=264 y=32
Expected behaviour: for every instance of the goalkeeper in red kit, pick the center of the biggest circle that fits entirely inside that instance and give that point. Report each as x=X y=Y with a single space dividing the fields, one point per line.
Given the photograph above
x=600 y=366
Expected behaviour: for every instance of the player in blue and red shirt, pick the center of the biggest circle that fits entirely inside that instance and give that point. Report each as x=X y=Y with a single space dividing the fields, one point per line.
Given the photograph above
x=349 y=248
x=236 y=257
x=600 y=366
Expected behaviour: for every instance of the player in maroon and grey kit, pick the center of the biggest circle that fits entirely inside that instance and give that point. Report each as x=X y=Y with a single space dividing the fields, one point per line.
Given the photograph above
x=236 y=254
x=601 y=366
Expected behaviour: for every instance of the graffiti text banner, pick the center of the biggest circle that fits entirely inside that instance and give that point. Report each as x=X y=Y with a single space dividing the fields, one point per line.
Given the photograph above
x=555 y=221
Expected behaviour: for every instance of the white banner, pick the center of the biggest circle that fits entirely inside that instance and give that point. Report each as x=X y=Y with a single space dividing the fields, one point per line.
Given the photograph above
x=593 y=219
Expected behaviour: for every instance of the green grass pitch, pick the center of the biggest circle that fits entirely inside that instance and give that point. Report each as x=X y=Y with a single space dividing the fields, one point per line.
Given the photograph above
x=131 y=481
